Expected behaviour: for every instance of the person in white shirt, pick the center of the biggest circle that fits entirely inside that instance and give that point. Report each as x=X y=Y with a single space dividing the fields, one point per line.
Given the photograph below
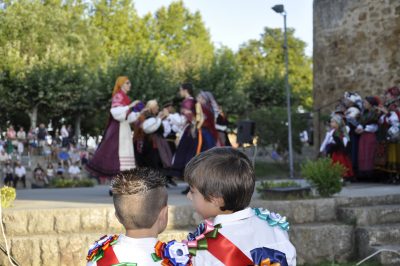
x=74 y=171
x=20 y=174
x=140 y=201
x=222 y=183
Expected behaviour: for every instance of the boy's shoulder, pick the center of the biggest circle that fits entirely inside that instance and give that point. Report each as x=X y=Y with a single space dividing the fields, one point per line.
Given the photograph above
x=273 y=219
x=101 y=247
x=225 y=241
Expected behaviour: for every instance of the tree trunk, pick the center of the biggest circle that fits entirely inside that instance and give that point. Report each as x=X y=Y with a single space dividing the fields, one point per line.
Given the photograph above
x=33 y=116
x=78 y=126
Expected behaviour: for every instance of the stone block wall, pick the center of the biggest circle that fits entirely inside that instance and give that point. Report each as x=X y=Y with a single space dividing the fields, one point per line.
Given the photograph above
x=356 y=48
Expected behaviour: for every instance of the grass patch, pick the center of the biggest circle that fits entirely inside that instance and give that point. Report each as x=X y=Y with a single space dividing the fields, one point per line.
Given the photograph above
x=271 y=184
x=276 y=170
x=65 y=183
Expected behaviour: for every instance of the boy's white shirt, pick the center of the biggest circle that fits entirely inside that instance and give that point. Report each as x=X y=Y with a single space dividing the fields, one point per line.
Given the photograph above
x=135 y=250
x=246 y=231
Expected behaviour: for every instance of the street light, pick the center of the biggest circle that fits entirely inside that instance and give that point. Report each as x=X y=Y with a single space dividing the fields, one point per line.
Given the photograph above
x=281 y=10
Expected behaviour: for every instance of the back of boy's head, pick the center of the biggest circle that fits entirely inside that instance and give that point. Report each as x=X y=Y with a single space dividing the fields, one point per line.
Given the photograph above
x=223 y=173
x=139 y=195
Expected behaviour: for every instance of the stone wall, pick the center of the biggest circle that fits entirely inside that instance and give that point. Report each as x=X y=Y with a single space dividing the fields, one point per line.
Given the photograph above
x=356 y=48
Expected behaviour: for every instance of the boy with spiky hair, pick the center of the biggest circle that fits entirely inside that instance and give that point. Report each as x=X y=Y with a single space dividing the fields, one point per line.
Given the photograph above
x=221 y=184
x=140 y=201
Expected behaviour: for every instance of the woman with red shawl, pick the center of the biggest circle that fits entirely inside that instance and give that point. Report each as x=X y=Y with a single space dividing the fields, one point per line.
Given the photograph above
x=115 y=152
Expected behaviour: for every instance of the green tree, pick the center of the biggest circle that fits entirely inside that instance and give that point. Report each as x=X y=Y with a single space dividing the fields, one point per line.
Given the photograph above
x=185 y=43
x=222 y=79
x=263 y=70
x=41 y=45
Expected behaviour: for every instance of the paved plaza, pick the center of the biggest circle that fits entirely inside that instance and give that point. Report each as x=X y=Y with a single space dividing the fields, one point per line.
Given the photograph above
x=98 y=195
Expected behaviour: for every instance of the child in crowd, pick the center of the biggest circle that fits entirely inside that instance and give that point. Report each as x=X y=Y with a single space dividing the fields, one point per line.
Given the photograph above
x=336 y=143
x=221 y=184
x=140 y=201
x=60 y=170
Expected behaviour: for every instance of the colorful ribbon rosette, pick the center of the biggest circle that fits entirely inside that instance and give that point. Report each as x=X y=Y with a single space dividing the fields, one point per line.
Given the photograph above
x=273 y=219
x=198 y=239
x=96 y=251
x=268 y=257
x=173 y=253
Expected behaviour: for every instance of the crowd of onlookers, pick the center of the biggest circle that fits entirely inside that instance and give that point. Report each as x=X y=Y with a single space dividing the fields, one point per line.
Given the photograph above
x=57 y=152
x=364 y=135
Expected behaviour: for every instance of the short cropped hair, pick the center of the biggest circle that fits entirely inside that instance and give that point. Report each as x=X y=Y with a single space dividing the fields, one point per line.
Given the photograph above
x=188 y=87
x=139 y=195
x=223 y=172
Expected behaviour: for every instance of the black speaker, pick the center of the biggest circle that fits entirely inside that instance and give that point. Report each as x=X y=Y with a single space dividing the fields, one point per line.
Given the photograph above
x=246 y=131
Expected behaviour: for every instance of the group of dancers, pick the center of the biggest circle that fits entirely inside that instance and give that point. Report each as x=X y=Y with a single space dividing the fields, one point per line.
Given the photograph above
x=364 y=135
x=161 y=139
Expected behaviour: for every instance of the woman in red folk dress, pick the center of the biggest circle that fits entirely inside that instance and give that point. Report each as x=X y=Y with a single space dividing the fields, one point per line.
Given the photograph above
x=115 y=152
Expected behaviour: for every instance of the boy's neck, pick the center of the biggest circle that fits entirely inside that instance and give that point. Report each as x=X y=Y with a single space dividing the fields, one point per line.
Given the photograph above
x=141 y=233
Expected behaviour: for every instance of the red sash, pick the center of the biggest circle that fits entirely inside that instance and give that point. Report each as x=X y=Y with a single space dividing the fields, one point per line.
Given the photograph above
x=109 y=258
x=226 y=252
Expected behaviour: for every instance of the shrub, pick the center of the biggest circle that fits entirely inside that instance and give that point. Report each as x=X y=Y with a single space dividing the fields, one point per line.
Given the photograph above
x=8 y=196
x=324 y=175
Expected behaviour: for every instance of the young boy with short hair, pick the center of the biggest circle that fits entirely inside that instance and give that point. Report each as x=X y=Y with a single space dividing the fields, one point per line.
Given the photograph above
x=222 y=183
x=140 y=201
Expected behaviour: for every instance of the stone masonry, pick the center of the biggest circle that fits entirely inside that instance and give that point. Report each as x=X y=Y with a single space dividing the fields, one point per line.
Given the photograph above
x=334 y=229
x=356 y=48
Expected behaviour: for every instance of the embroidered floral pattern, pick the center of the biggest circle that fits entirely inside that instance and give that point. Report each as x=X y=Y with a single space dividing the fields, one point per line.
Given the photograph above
x=96 y=251
x=172 y=253
x=272 y=218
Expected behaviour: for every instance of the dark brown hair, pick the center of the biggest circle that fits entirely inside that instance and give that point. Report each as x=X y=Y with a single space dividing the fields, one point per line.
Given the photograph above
x=223 y=172
x=139 y=195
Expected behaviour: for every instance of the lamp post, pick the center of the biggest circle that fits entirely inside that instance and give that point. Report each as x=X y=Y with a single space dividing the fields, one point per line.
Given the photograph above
x=281 y=10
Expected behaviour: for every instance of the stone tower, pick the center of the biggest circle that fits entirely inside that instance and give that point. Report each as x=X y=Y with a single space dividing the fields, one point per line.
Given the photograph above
x=356 y=48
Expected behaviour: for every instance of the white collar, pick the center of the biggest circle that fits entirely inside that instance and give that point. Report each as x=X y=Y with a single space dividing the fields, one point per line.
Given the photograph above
x=137 y=241
x=236 y=216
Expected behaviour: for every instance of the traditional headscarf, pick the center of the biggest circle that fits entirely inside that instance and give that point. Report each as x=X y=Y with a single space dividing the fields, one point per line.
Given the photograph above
x=342 y=127
x=211 y=102
x=118 y=84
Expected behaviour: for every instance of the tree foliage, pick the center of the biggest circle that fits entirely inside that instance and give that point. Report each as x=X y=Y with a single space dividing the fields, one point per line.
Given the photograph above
x=61 y=58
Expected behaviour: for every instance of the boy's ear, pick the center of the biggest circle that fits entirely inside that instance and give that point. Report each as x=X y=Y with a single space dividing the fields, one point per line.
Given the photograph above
x=163 y=219
x=118 y=218
x=217 y=201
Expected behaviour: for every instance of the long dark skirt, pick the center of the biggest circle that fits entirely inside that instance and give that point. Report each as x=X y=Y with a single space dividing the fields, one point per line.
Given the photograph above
x=208 y=140
x=105 y=161
x=354 y=140
x=366 y=152
x=185 y=151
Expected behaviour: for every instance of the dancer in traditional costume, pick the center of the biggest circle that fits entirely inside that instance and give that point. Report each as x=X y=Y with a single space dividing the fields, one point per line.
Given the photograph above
x=367 y=129
x=353 y=103
x=206 y=114
x=115 y=152
x=188 y=140
x=389 y=124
